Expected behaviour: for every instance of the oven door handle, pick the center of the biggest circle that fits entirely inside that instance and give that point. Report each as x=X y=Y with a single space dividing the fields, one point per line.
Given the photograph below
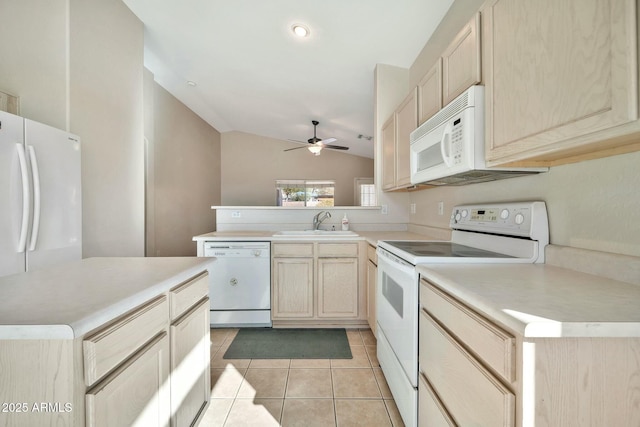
x=398 y=262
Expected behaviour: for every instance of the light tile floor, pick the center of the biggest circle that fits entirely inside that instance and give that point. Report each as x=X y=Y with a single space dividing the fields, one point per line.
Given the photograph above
x=300 y=392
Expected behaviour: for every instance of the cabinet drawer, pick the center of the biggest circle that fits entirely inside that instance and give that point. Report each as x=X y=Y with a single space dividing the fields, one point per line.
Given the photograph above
x=337 y=249
x=110 y=346
x=431 y=412
x=136 y=393
x=372 y=255
x=190 y=347
x=471 y=394
x=293 y=249
x=185 y=295
x=493 y=345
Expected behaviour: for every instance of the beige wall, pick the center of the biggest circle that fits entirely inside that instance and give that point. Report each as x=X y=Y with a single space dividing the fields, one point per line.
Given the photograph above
x=251 y=165
x=77 y=65
x=185 y=176
x=106 y=112
x=591 y=205
x=34 y=57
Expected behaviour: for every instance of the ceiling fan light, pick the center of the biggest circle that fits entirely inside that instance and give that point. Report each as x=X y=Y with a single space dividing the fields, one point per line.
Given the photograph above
x=300 y=30
x=315 y=149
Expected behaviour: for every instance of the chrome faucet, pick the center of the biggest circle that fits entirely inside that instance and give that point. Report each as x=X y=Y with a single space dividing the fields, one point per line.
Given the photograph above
x=319 y=217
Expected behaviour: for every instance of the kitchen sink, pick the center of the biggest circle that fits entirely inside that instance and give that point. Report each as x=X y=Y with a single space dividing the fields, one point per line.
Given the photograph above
x=315 y=233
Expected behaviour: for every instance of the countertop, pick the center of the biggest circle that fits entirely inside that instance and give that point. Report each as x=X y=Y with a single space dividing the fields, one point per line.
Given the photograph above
x=538 y=300
x=69 y=300
x=372 y=237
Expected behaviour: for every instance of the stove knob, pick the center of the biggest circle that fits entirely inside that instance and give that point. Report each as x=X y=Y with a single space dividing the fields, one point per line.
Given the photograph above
x=458 y=217
x=465 y=213
x=504 y=214
x=519 y=219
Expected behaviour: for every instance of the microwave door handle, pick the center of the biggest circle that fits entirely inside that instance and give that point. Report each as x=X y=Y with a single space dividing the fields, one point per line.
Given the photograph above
x=445 y=144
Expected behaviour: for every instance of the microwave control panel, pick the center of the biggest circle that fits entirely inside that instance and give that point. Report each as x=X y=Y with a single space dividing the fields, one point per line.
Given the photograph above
x=456 y=141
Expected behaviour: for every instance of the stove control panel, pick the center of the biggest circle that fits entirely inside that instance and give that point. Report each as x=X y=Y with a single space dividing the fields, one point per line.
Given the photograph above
x=522 y=219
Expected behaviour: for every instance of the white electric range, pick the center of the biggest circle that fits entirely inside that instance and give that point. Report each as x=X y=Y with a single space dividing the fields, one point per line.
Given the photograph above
x=481 y=233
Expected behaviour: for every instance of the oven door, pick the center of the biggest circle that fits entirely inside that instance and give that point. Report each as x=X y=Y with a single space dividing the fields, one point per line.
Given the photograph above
x=397 y=310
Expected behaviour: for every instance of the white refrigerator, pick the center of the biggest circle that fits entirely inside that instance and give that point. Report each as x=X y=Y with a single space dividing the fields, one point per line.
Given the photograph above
x=40 y=195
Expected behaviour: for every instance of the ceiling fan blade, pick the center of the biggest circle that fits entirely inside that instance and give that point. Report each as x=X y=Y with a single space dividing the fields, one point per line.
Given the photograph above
x=295 y=148
x=336 y=147
x=328 y=141
x=297 y=140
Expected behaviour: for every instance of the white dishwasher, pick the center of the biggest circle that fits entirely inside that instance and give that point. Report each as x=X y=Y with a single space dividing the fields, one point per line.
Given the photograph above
x=240 y=283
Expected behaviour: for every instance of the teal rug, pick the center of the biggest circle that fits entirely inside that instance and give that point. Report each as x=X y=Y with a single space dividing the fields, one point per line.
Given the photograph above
x=267 y=343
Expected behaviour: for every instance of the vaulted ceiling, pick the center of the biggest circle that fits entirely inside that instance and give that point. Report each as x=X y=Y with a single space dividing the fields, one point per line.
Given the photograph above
x=250 y=73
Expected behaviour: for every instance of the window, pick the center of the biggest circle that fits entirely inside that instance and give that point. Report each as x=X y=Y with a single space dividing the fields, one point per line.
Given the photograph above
x=299 y=192
x=365 y=192
x=368 y=195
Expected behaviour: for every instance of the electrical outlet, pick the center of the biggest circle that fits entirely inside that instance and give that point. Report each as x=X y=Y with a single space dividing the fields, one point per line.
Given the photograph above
x=413 y=208
x=440 y=208
x=235 y=214
x=384 y=209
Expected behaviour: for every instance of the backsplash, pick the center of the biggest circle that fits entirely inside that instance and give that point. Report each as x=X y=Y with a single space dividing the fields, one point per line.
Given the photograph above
x=266 y=218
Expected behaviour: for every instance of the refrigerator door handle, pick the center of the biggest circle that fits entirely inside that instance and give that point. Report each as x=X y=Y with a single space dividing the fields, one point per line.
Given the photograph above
x=36 y=198
x=26 y=195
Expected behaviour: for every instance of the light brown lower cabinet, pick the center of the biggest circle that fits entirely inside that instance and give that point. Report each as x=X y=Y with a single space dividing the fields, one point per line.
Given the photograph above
x=292 y=288
x=476 y=373
x=338 y=287
x=190 y=355
x=136 y=394
x=431 y=412
x=318 y=283
x=469 y=391
x=147 y=367
x=372 y=279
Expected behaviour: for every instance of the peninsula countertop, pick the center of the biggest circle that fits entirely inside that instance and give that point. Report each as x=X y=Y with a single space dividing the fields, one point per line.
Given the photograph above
x=71 y=299
x=543 y=301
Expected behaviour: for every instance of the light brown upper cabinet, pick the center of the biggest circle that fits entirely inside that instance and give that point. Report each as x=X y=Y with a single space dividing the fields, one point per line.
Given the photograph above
x=561 y=80
x=461 y=61
x=406 y=122
x=396 y=173
x=430 y=93
x=389 y=153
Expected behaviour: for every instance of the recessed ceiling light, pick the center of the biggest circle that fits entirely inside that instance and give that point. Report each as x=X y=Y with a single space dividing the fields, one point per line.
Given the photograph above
x=190 y=83
x=300 y=30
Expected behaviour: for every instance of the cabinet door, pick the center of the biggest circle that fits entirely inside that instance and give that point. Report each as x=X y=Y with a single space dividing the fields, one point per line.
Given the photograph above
x=190 y=363
x=556 y=72
x=292 y=288
x=338 y=287
x=389 y=153
x=372 y=273
x=430 y=93
x=461 y=61
x=406 y=122
x=136 y=393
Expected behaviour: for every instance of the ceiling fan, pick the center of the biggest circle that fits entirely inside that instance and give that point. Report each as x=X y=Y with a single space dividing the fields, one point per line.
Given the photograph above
x=318 y=144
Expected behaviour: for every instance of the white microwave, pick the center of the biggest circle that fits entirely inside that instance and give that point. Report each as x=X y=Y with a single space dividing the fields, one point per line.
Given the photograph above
x=448 y=149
